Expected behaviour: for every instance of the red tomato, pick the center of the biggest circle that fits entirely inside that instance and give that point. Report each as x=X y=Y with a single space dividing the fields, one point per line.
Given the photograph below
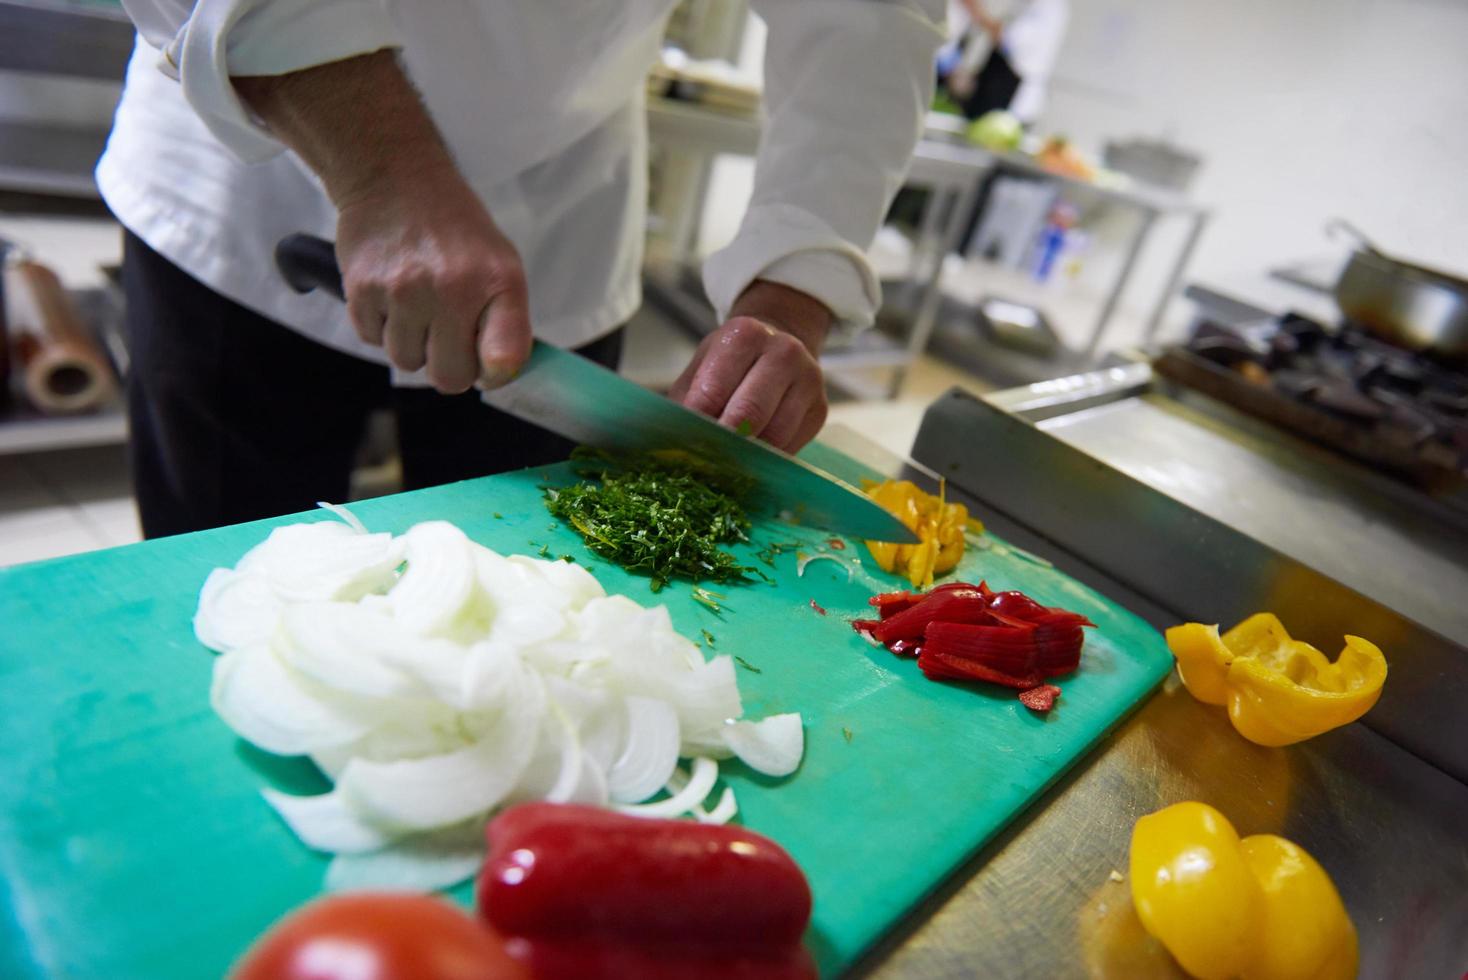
x=368 y=936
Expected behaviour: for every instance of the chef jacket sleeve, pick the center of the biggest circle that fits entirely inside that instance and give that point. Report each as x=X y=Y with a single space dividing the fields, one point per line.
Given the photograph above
x=203 y=43
x=847 y=84
x=1032 y=42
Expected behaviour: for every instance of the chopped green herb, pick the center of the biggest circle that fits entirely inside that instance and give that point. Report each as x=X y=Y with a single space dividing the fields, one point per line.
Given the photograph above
x=706 y=598
x=569 y=558
x=498 y=516
x=773 y=550
x=846 y=734
x=545 y=551
x=747 y=665
x=666 y=518
x=707 y=637
x=745 y=428
x=552 y=526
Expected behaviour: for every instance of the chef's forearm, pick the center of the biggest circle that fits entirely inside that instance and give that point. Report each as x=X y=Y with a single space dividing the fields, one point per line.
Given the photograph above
x=790 y=310
x=993 y=26
x=358 y=123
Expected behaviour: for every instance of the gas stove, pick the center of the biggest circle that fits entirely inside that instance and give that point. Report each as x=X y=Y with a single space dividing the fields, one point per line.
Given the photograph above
x=1386 y=406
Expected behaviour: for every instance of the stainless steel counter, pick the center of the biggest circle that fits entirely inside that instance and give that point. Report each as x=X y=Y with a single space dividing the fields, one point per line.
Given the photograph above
x=1381 y=540
x=1040 y=901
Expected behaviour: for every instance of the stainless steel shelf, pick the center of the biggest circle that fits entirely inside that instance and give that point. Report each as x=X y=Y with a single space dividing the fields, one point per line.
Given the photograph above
x=90 y=40
x=36 y=433
x=54 y=160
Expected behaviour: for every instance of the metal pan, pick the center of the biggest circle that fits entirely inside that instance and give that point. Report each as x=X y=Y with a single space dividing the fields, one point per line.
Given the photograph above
x=1403 y=304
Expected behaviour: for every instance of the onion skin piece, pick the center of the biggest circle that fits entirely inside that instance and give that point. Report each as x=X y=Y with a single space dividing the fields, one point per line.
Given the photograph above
x=558 y=871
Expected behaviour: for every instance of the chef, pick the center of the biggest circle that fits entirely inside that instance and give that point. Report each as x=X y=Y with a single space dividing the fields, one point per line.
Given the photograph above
x=482 y=167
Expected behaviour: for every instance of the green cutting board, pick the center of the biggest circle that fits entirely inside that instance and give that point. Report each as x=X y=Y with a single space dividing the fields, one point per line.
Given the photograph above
x=134 y=843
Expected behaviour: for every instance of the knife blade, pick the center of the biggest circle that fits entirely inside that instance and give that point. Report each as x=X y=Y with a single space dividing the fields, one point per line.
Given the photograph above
x=583 y=401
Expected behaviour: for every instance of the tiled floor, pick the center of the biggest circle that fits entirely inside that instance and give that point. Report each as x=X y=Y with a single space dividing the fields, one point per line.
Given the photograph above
x=63 y=502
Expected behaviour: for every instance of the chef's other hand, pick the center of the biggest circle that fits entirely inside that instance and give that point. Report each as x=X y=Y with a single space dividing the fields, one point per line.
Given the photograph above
x=758 y=372
x=432 y=280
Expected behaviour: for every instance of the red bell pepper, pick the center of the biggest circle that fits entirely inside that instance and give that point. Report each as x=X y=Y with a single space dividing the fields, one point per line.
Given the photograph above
x=966 y=632
x=582 y=891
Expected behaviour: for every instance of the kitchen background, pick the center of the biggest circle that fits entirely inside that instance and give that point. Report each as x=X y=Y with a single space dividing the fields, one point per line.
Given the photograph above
x=1272 y=117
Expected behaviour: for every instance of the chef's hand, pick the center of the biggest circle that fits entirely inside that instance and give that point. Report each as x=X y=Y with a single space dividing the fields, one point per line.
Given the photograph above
x=431 y=280
x=758 y=372
x=428 y=276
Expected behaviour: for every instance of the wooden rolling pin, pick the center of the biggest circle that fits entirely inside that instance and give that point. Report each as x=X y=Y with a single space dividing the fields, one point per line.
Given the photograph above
x=62 y=368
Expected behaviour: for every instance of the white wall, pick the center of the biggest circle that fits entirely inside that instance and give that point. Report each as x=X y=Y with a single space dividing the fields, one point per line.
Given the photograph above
x=1304 y=109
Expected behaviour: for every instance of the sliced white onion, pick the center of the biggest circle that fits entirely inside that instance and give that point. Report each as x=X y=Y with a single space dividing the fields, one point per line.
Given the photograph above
x=351 y=519
x=324 y=560
x=327 y=823
x=236 y=609
x=265 y=703
x=440 y=579
x=441 y=789
x=568 y=778
x=725 y=811
x=804 y=562
x=695 y=791
x=336 y=644
x=434 y=692
x=422 y=863
x=772 y=746
x=572 y=585
x=650 y=753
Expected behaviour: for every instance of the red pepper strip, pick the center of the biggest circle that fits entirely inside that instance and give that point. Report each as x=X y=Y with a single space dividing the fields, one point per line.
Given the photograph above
x=1019 y=651
x=837 y=543
x=1040 y=698
x=867 y=626
x=938 y=665
x=906 y=648
x=817 y=608
x=956 y=606
x=581 y=873
x=891 y=603
x=569 y=959
x=1016 y=605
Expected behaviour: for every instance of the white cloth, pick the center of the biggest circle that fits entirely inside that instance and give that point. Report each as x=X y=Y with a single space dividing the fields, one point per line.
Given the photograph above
x=540 y=102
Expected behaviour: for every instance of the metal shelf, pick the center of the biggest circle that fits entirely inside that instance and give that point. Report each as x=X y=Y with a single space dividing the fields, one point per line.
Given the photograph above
x=81 y=40
x=30 y=433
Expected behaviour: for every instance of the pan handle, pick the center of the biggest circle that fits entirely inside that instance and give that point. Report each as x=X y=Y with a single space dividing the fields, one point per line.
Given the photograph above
x=307 y=262
x=1341 y=228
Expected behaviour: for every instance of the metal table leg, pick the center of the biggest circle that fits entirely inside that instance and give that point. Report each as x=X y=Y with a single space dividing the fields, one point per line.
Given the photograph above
x=926 y=317
x=1154 y=322
x=1148 y=217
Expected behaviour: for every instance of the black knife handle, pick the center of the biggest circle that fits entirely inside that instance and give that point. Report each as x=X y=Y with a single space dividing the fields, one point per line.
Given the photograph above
x=308 y=263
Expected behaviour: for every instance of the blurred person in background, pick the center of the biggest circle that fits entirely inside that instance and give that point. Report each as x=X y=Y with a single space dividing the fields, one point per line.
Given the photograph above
x=991 y=63
x=482 y=168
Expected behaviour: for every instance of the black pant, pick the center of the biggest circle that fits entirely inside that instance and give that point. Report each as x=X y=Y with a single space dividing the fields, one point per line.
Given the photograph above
x=235 y=417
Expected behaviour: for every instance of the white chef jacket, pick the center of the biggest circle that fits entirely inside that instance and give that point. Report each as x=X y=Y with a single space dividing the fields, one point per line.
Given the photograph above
x=540 y=102
x=1032 y=43
x=1034 y=31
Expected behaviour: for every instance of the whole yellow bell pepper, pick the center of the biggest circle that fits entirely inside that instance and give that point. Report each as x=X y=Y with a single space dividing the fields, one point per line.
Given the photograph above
x=1260 y=908
x=1278 y=690
x=938 y=523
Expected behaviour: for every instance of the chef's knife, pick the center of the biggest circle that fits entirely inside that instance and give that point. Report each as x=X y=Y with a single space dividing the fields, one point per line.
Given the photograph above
x=583 y=401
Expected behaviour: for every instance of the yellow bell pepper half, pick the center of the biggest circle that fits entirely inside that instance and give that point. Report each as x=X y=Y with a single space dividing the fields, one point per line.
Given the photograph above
x=1278 y=690
x=938 y=523
x=1260 y=908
